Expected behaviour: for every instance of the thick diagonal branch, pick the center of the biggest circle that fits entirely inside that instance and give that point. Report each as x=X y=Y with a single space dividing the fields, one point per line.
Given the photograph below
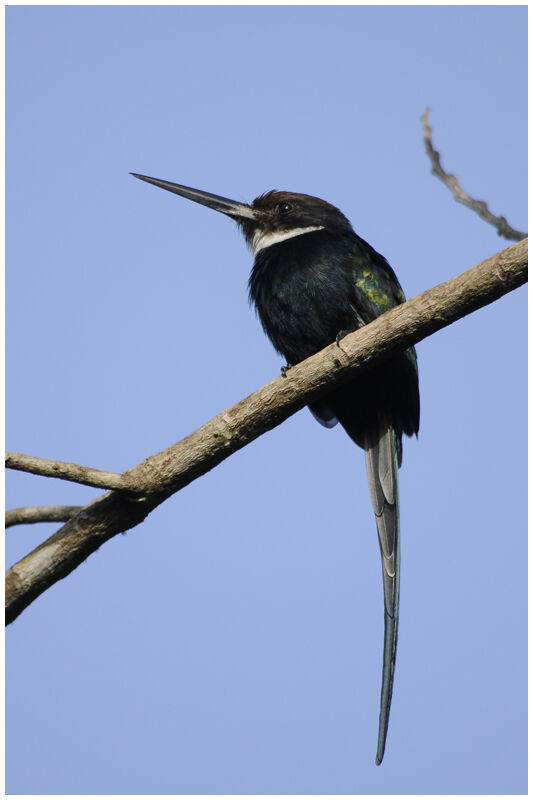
x=479 y=206
x=165 y=473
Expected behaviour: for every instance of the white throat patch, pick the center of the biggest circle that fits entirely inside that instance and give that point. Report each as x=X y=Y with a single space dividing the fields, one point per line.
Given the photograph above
x=261 y=240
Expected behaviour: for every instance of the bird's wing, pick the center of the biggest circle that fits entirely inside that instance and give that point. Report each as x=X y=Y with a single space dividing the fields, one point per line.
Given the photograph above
x=382 y=456
x=375 y=285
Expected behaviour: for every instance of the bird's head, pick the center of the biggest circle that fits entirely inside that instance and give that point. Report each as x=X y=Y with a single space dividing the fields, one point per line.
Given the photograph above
x=271 y=218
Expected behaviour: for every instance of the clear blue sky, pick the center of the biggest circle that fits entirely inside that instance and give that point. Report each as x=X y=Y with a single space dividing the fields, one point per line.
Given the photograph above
x=232 y=643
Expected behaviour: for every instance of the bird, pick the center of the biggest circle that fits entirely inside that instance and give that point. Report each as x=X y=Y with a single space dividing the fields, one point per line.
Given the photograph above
x=313 y=281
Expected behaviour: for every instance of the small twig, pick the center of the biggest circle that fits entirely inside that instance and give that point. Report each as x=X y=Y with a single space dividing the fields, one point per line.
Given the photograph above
x=479 y=206
x=27 y=515
x=66 y=471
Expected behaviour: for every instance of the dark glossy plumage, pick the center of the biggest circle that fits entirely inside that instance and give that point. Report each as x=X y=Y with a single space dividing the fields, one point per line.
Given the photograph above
x=309 y=288
x=313 y=278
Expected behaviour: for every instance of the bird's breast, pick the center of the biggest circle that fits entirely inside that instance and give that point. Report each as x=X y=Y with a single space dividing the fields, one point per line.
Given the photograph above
x=302 y=292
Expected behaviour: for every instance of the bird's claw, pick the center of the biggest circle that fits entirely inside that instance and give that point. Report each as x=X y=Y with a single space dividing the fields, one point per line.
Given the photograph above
x=341 y=335
x=285 y=369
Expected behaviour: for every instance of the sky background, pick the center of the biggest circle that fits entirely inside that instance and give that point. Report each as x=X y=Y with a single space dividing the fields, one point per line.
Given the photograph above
x=232 y=642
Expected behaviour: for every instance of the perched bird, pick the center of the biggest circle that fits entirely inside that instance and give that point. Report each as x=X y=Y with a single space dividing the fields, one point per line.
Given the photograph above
x=313 y=281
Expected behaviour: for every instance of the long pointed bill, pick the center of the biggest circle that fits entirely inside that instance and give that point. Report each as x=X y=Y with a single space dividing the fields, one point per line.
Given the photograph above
x=230 y=207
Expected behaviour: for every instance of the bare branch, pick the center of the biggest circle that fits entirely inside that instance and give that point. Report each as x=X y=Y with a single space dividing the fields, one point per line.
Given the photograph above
x=64 y=470
x=178 y=465
x=479 y=206
x=27 y=515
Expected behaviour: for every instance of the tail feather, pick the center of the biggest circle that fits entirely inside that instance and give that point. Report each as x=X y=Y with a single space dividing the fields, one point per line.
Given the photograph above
x=383 y=456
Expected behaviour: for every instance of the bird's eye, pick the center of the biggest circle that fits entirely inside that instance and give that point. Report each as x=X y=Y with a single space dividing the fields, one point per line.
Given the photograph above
x=284 y=208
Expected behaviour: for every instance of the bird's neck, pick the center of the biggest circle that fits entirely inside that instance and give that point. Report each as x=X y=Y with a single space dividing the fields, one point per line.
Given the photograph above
x=263 y=239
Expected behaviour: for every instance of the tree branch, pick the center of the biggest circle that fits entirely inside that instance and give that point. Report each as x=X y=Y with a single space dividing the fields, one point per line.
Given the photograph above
x=27 y=515
x=479 y=206
x=64 y=470
x=165 y=473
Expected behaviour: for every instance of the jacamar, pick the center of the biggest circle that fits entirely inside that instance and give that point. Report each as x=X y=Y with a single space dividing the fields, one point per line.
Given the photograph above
x=313 y=281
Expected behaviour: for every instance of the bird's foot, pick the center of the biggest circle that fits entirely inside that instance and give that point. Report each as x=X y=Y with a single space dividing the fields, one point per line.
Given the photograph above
x=285 y=369
x=341 y=335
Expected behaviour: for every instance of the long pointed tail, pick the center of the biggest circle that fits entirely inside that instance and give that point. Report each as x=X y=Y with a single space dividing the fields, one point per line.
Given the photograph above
x=383 y=457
